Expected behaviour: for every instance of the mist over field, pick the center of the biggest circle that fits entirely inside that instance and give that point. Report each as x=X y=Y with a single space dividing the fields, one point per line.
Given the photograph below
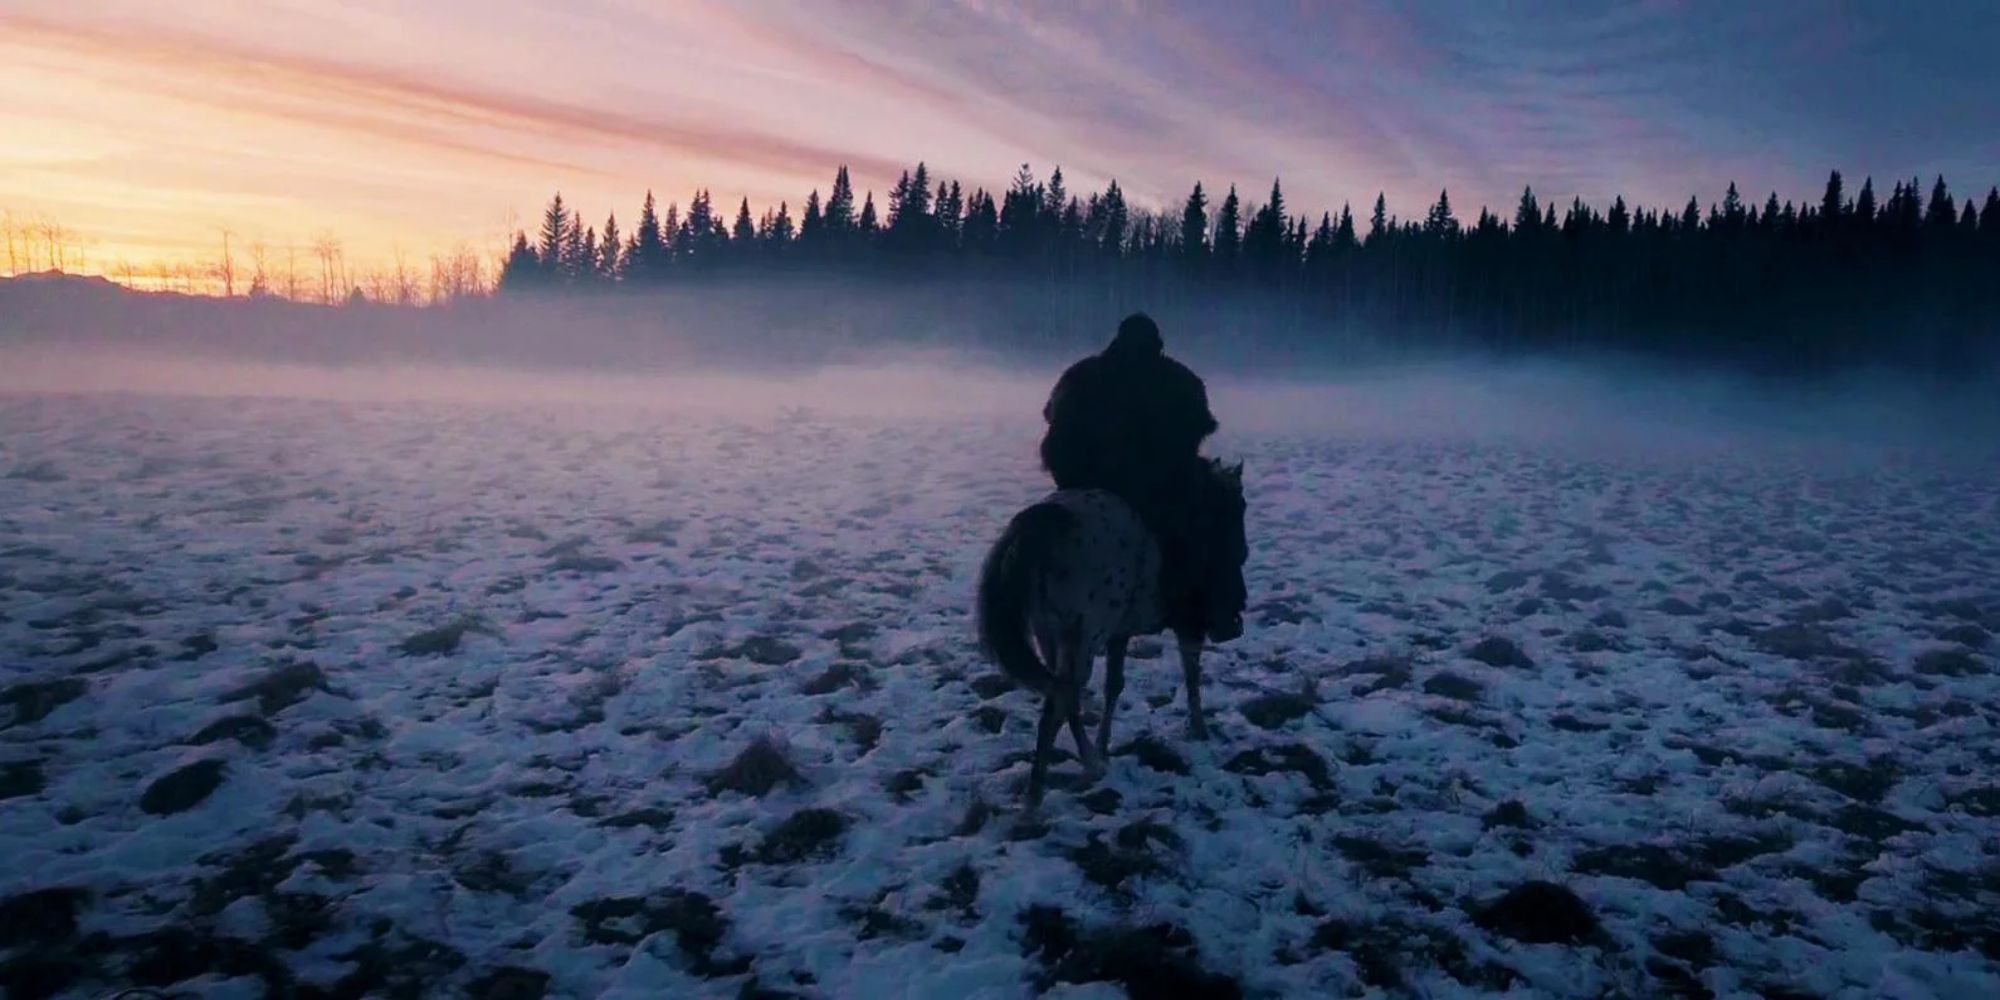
x=915 y=366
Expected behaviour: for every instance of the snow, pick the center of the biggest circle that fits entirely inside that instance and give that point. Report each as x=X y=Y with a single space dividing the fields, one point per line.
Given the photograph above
x=1754 y=751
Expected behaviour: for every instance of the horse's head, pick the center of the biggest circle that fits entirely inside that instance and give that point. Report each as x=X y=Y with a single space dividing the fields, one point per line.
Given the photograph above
x=1221 y=549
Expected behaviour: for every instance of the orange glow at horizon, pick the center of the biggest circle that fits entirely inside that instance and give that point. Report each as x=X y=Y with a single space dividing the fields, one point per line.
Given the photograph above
x=148 y=143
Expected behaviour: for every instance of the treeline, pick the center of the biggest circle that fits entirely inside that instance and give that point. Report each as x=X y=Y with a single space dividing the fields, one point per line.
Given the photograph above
x=1909 y=279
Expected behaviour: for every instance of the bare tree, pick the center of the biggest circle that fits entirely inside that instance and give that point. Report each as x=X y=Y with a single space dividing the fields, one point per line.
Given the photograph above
x=260 y=280
x=331 y=267
x=8 y=228
x=440 y=288
x=25 y=245
x=378 y=284
x=459 y=274
x=80 y=252
x=226 y=268
x=404 y=281
x=52 y=236
x=292 y=271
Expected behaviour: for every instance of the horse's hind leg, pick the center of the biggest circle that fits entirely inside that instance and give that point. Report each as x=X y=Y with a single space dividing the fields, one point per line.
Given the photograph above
x=1077 y=675
x=1045 y=741
x=1191 y=674
x=1114 y=685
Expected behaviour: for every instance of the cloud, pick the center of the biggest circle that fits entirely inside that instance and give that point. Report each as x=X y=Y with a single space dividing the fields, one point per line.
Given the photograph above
x=403 y=106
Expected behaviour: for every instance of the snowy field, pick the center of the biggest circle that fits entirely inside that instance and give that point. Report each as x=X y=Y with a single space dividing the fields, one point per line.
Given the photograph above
x=424 y=699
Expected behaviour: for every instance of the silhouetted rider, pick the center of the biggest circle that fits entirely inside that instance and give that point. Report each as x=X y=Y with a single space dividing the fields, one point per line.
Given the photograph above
x=1131 y=420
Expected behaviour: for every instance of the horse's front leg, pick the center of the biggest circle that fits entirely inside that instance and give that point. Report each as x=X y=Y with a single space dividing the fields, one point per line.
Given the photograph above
x=1114 y=684
x=1191 y=674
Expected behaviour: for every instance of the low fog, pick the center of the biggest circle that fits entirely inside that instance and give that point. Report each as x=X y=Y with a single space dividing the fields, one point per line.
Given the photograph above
x=938 y=353
x=1602 y=406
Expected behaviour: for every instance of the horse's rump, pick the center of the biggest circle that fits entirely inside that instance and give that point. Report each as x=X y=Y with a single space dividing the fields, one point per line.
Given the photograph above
x=1006 y=588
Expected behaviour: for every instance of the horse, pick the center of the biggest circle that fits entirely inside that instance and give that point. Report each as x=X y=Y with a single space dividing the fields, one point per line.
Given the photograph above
x=1078 y=573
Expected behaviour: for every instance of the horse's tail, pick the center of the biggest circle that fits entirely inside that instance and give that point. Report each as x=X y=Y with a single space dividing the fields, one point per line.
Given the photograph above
x=1005 y=585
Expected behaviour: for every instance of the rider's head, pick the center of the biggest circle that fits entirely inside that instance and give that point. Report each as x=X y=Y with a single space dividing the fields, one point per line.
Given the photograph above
x=1138 y=336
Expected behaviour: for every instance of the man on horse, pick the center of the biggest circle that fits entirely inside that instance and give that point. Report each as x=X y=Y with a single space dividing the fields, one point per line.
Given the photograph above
x=1131 y=420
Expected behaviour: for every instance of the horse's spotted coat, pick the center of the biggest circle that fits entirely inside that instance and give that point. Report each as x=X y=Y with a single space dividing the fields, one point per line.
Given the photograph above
x=1102 y=583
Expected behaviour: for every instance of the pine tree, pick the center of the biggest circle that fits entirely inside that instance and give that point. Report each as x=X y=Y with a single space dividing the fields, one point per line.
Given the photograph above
x=1343 y=234
x=910 y=223
x=1830 y=204
x=1194 y=226
x=1440 y=223
x=1319 y=249
x=781 y=232
x=554 y=236
x=1941 y=214
x=1378 y=223
x=646 y=258
x=950 y=213
x=1069 y=229
x=1989 y=213
x=920 y=193
x=868 y=226
x=1228 y=241
x=1054 y=199
x=1578 y=218
x=1620 y=219
x=1864 y=206
x=810 y=225
x=838 y=219
x=1111 y=209
x=981 y=232
x=1732 y=208
x=897 y=196
x=743 y=233
x=1527 y=215
x=1264 y=240
x=1021 y=216
x=523 y=269
x=572 y=266
x=610 y=250
x=587 y=258
x=697 y=241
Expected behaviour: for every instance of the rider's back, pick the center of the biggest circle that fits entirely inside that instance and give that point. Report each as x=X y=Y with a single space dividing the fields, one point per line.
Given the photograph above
x=1120 y=418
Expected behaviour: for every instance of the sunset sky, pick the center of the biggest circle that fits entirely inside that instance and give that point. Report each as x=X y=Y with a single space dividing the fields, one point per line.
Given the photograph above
x=152 y=127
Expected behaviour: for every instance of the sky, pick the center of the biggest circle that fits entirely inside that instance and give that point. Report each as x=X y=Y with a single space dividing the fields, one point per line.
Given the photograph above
x=410 y=128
